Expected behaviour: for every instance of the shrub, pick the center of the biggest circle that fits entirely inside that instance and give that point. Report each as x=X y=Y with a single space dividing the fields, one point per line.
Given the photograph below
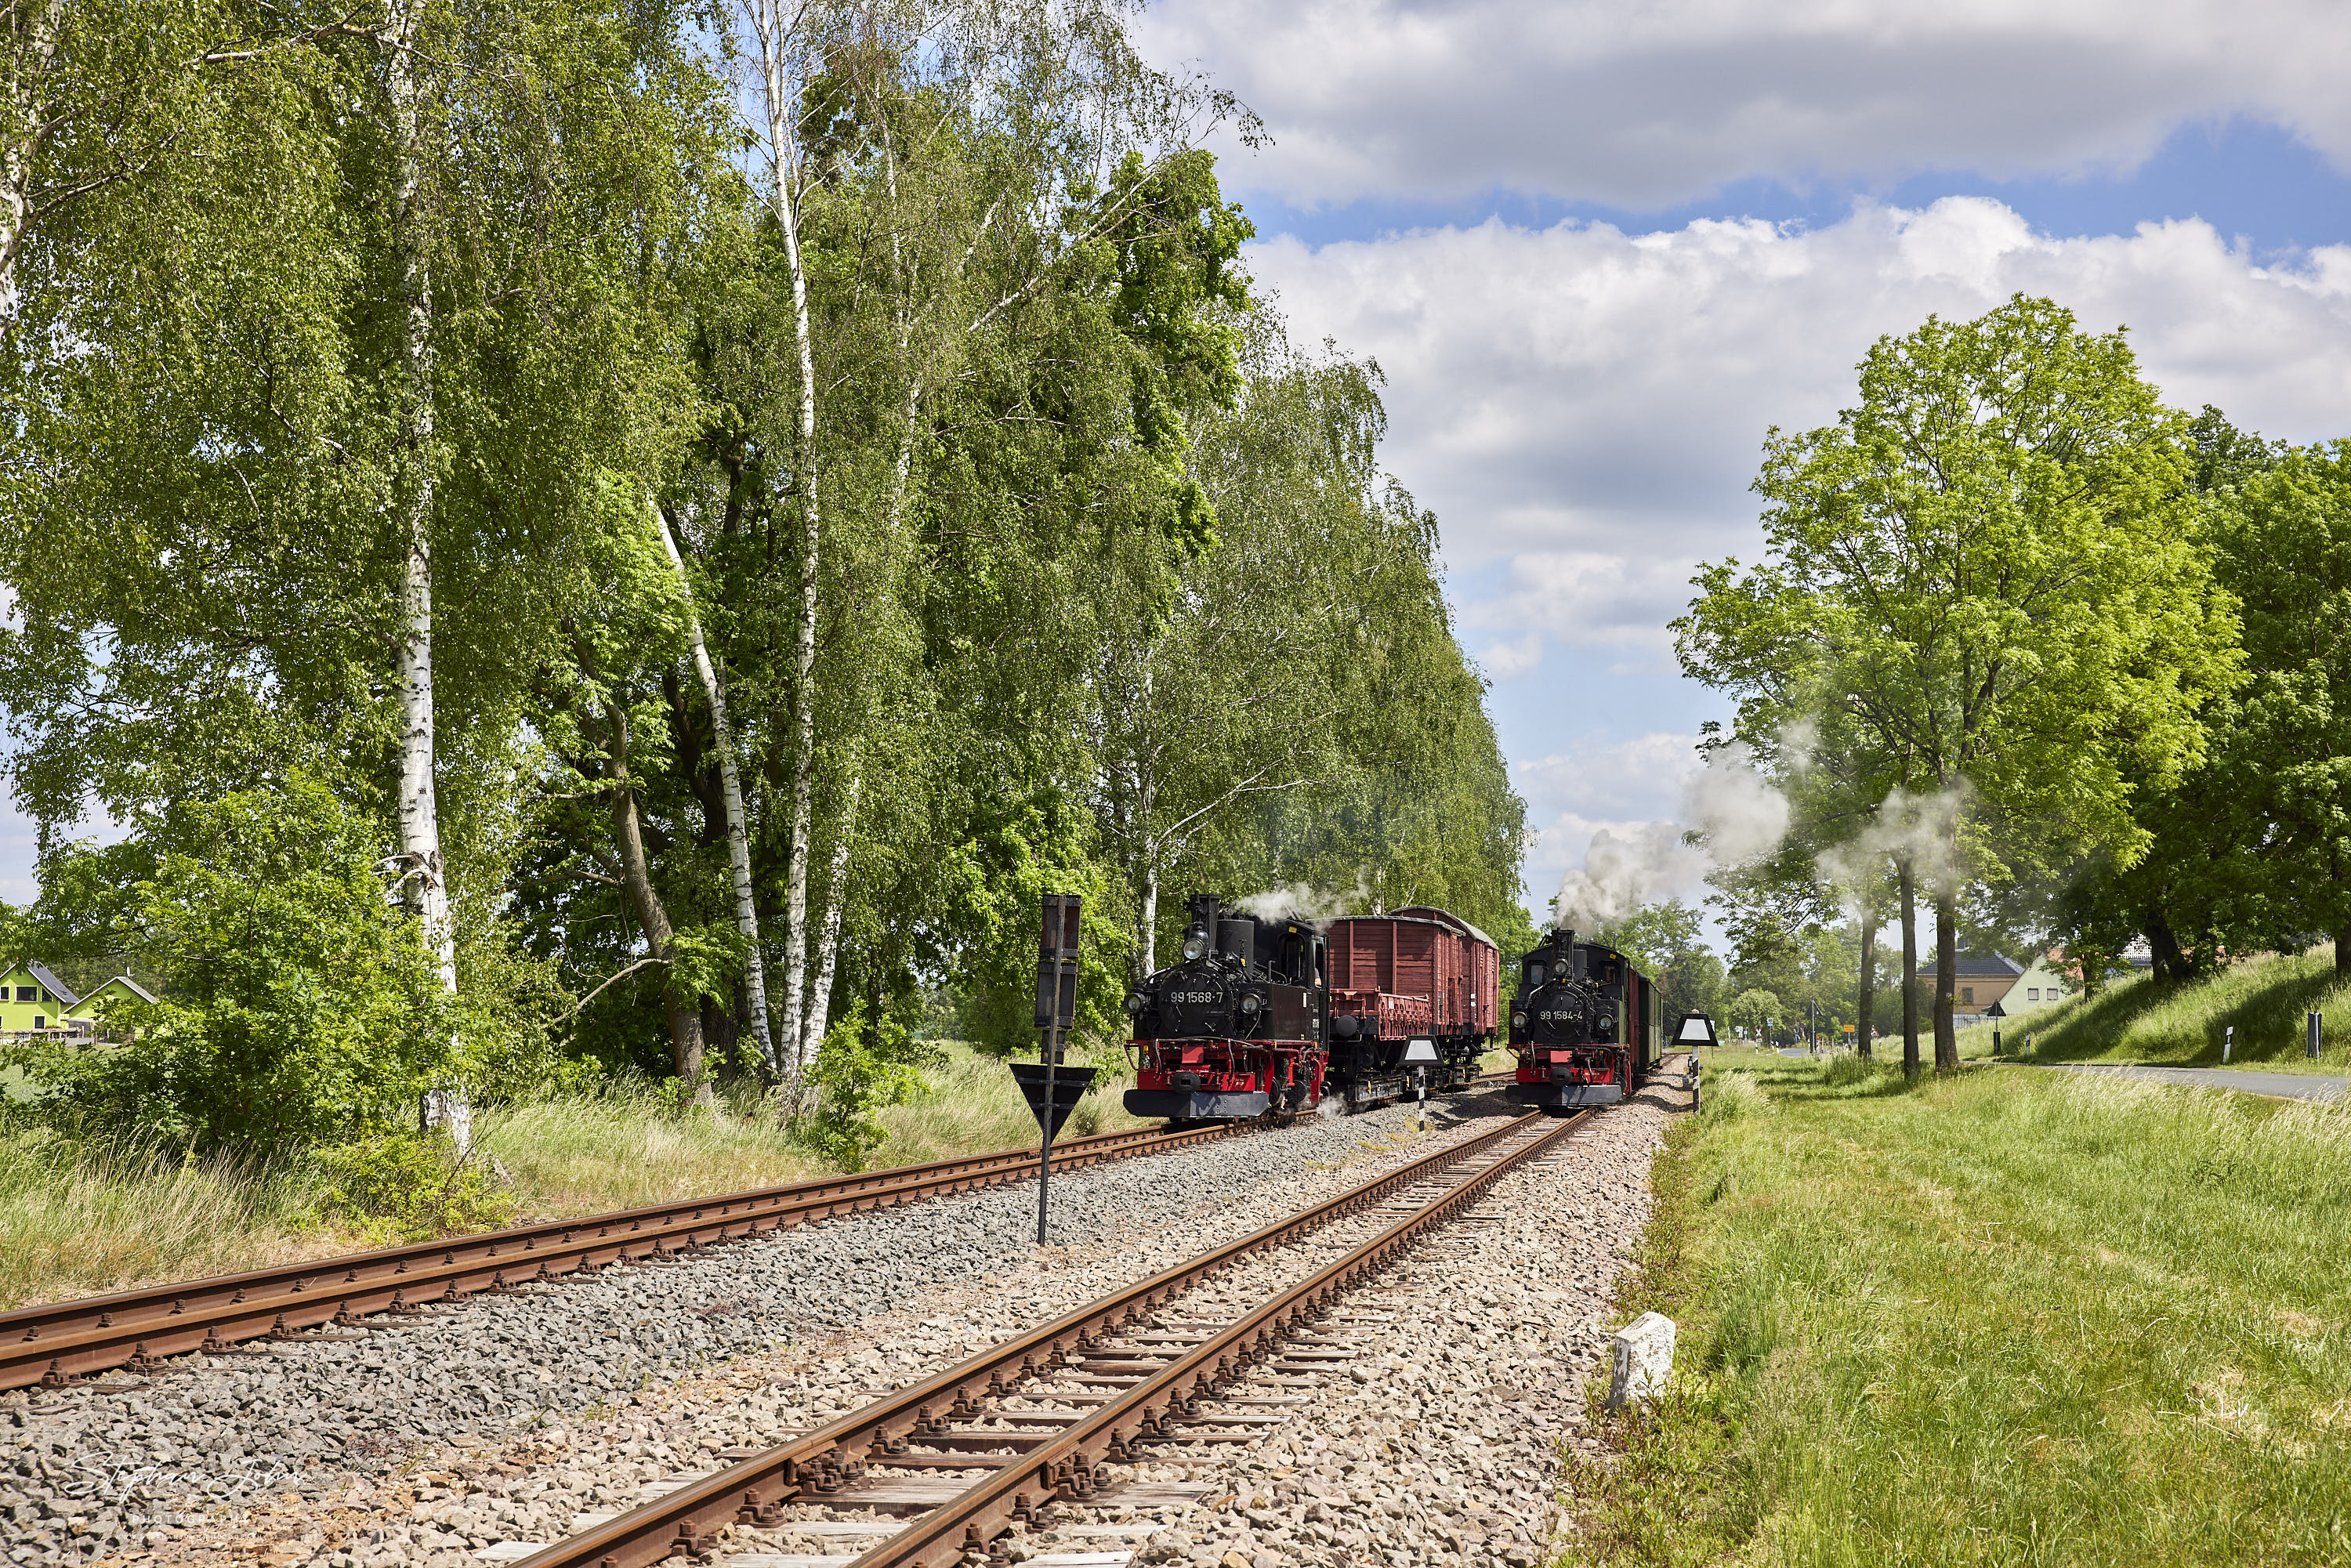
x=303 y=1006
x=406 y=1188
x=860 y=1071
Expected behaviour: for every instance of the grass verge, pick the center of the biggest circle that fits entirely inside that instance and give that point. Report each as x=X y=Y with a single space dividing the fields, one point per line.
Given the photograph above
x=1995 y=1319
x=2183 y=1022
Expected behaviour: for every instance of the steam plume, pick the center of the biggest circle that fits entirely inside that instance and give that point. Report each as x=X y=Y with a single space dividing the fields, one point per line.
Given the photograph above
x=1730 y=814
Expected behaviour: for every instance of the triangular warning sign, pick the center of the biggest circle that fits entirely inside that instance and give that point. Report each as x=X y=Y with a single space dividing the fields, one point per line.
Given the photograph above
x=1070 y=1086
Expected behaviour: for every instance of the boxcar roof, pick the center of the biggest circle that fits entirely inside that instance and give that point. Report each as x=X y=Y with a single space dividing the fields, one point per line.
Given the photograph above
x=1423 y=914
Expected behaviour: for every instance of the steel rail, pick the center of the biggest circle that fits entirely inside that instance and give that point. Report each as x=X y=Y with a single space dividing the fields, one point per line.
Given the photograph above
x=55 y=1342
x=1064 y=1466
x=814 y=1466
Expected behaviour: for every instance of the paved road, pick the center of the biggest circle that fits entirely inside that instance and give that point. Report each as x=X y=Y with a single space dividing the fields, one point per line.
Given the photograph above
x=2287 y=1085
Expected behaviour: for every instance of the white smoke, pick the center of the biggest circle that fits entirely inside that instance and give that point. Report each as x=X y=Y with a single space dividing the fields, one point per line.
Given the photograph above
x=1730 y=814
x=1922 y=828
x=1308 y=904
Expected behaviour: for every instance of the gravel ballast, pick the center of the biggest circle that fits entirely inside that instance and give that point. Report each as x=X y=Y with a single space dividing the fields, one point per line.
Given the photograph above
x=1440 y=1444
x=502 y=1419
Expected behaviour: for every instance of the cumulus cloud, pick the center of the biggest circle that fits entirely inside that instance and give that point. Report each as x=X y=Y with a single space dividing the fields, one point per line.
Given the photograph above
x=1647 y=106
x=1507 y=661
x=1586 y=407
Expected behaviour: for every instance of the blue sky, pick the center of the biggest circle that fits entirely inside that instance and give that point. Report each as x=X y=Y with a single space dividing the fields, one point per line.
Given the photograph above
x=1599 y=249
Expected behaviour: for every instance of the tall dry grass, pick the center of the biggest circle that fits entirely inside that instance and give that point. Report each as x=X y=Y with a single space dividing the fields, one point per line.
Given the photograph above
x=80 y=1218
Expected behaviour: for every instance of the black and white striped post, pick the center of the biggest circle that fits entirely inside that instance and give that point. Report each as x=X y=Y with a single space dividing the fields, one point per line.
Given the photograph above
x=2317 y=1025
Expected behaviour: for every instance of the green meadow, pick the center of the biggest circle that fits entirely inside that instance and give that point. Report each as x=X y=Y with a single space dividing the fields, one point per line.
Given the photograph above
x=2000 y=1318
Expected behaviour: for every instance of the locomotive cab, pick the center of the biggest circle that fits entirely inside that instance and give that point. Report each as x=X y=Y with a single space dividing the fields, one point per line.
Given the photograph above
x=1584 y=1024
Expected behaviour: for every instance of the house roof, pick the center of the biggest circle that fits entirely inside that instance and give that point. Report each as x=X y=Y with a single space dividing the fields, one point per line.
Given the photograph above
x=1974 y=967
x=130 y=986
x=58 y=987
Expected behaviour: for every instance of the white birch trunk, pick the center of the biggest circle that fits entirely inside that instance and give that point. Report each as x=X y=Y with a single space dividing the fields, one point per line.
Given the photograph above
x=426 y=888
x=730 y=784
x=820 y=1006
x=773 y=30
x=1149 y=947
x=34 y=45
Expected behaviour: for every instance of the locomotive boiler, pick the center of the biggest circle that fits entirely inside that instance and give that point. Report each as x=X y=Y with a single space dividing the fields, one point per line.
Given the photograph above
x=1586 y=1024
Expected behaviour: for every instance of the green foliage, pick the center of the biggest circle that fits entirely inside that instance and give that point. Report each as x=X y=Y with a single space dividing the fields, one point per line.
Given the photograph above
x=1986 y=618
x=1751 y=1009
x=1003 y=879
x=401 y=1186
x=303 y=1006
x=1065 y=479
x=866 y=1067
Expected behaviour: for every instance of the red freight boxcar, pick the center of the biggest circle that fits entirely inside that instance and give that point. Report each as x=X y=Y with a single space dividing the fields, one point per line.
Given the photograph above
x=1412 y=992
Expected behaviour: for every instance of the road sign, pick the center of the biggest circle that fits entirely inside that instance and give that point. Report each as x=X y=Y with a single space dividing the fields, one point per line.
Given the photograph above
x=1053 y=1089
x=1057 y=964
x=1055 y=1084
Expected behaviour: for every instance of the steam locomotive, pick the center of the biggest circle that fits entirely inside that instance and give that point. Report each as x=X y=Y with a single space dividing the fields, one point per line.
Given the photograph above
x=1270 y=1017
x=1586 y=1024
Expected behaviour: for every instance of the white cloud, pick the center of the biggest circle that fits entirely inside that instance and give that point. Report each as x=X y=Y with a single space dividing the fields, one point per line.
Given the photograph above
x=1649 y=105
x=1597 y=782
x=1588 y=406
x=1509 y=661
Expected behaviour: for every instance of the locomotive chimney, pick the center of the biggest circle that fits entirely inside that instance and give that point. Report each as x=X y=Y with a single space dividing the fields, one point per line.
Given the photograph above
x=1571 y=962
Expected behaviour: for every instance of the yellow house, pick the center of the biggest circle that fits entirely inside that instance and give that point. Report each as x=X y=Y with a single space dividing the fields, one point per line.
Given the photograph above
x=92 y=1009
x=31 y=998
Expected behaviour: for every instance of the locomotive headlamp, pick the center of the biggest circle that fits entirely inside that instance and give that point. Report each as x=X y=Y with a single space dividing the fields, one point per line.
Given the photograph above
x=1137 y=1003
x=1196 y=942
x=1249 y=1005
x=1518 y=1021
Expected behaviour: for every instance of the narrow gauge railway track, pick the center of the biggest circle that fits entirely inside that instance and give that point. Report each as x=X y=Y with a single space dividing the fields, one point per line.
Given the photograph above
x=1144 y=1387
x=55 y=1343
x=135 y=1330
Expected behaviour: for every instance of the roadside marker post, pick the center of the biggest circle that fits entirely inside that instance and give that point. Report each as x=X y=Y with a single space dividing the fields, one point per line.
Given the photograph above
x=2228 y=1040
x=2317 y=1022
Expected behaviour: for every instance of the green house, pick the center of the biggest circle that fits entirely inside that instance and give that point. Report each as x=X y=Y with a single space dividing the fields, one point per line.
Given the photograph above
x=93 y=1007
x=31 y=1000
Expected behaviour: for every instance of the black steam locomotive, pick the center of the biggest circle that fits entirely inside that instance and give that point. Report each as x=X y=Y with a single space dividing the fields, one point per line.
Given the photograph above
x=1586 y=1024
x=1240 y=1026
